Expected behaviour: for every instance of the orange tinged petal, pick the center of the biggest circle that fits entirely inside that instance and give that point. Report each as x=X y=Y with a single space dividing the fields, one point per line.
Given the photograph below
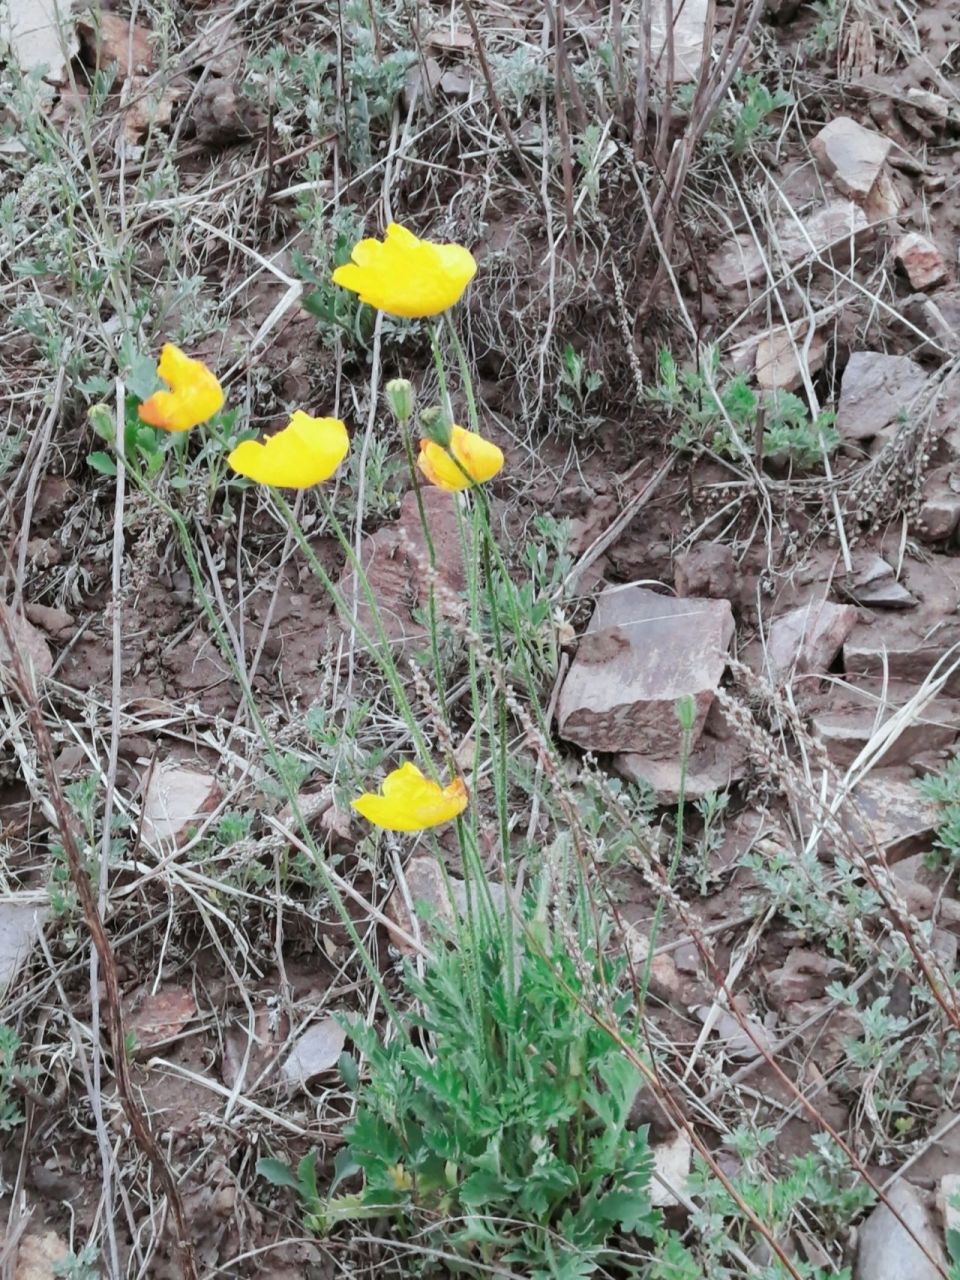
x=471 y=460
x=405 y=276
x=195 y=395
x=408 y=801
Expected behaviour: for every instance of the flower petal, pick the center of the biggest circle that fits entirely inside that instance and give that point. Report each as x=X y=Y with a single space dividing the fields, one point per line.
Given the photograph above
x=306 y=452
x=195 y=395
x=410 y=802
x=405 y=276
x=479 y=460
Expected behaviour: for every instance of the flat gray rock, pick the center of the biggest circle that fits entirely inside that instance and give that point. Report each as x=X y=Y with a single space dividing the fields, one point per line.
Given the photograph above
x=836 y=228
x=640 y=653
x=886 y=1251
x=876 y=389
x=850 y=155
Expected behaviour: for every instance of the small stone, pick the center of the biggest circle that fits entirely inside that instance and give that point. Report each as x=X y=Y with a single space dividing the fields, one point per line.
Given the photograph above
x=707 y=569
x=850 y=155
x=884 y=1249
x=317 y=1050
x=39 y=1257
x=21 y=919
x=671 y=1163
x=920 y=260
x=641 y=652
x=56 y=622
x=33 y=650
x=938 y=316
x=805 y=641
x=874 y=583
x=782 y=357
x=420 y=82
x=883 y=201
x=832 y=230
x=396 y=562
x=853 y=714
x=222 y=115
x=689 y=28
x=176 y=801
x=110 y=39
x=156 y=1018
x=940 y=511
x=712 y=766
x=890 y=814
x=876 y=389
x=427 y=887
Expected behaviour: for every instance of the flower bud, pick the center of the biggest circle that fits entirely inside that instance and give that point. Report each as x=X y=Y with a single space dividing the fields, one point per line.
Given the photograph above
x=435 y=426
x=400 y=398
x=100 y=417
x=686 y=711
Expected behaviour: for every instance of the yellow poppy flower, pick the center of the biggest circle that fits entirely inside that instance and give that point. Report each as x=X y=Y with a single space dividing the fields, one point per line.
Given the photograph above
x=480 y=459
x=194 y=396
x=410 y=802
x=405 y=276
x=307 y=451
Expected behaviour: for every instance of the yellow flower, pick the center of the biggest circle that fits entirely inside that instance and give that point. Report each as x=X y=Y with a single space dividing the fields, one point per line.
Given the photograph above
x=480 y=459
x=405 y=276
x=194 y=396
x=410 y=802
x=305 y=452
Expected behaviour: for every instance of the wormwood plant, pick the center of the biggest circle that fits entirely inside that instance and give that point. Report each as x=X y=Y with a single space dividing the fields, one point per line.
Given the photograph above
x=727 y=415
x=499 y=1128
x=944 y=789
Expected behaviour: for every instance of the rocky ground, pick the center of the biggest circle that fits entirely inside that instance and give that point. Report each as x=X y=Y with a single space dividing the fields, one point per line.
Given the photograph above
x=717 y=330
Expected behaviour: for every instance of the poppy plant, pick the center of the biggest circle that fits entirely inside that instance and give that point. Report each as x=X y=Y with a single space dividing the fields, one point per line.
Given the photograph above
x=306 y=452
x=468 y=460
x=410 y=802
x=405 y=276
x=194 y=396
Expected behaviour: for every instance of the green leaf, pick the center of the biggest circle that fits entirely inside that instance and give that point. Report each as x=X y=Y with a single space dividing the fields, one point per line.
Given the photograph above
x=102 y=462
x=483 y=1187
x=277 y=1173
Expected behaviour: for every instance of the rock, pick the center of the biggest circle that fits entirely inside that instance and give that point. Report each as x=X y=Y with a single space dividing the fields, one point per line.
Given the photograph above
x=833 y=228
x=852 y=715
x=176 y=801
x=920 y=261
x=782 y=357
x=56 y=622
x=219 y=47
x=883 y=201
x=33 y=650
x=876 y=389
x=41 y=36
x=39 y=1257
x=156 y=1018
x=151 y=106
x=803 y=976
x=109 y=39
x=940 y=510
x=906 y=645
x=939 y=317
x=317 y=1050
x=671 y=1162
x=884 y=1249
x=707 y=569
x=736 y=1042
x=874 y=583
x=850 y=155
x=713 y=765
x=805 y=641
x=890 y=813
x=21 y=919
x=253 y=1052
x=420 y=82
x=689 y=27
x=427 y=887
x=222 y=115
x=641 y=652
x=395 y=560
